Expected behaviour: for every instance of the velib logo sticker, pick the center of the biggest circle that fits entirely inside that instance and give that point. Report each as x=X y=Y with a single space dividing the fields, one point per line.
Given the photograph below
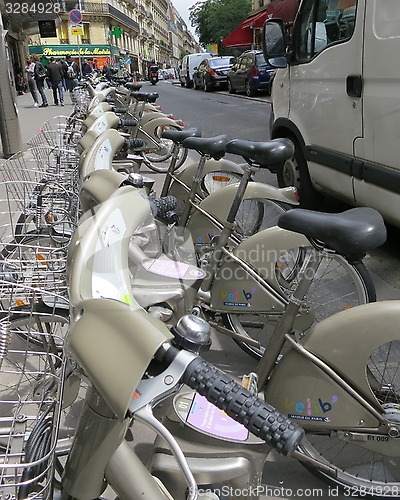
x=203 y=239
x=313 y=410
x=237 y=298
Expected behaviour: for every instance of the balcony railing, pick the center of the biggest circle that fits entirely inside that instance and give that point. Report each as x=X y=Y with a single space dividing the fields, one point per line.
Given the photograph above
x=123 y=17
x=102 y=9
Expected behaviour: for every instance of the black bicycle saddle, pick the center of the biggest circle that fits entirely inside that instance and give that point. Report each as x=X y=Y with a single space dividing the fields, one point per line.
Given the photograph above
x=178 y=136
x=211 y=146
x=351 y=233
x=264 y=154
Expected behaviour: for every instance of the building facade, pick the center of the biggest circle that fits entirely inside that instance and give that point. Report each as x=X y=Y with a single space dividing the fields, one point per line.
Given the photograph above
x=128 y=34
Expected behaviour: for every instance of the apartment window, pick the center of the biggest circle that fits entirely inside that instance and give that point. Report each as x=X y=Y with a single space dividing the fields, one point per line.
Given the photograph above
x=63 y=32
x=261 y=3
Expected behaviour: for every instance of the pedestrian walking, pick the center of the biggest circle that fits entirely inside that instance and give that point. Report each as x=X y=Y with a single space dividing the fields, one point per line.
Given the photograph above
x=95 y=67
x=71 y=73
x=30 y=77
x=86 y=68
x=55 y=74
x=63 y=68
x=107 y=73
x=40 y=77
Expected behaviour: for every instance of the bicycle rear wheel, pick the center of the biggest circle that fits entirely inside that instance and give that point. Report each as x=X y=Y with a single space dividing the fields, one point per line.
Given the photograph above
x=337 y=285
x=359 y=470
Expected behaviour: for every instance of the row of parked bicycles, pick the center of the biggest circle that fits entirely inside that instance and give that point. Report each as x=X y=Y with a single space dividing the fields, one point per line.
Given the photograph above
x=110 y=292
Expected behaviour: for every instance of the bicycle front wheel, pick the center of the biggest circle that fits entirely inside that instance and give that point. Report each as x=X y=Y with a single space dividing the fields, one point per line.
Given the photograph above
x=362 y=468
x=33 y=340
x=337 y=285
x=158 y=161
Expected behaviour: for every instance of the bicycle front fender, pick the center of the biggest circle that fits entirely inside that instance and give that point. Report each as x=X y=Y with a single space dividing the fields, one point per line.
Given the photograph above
x=105 y=121
x=114 y=345
x=149 y=133
x=149 y=116
x=152 y=126
x=261 y=191
x=98 y=187
x=101 y=153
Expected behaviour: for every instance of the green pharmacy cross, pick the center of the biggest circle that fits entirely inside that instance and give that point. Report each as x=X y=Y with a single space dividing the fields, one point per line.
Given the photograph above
x=117 y=32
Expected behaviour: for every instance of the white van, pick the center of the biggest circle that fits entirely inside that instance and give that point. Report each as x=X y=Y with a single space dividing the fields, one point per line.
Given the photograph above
x=188 y=65
x=336 y=94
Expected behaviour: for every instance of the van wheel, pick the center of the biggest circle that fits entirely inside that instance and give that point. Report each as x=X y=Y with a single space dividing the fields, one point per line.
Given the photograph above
x=295 y=173
x=188 y=84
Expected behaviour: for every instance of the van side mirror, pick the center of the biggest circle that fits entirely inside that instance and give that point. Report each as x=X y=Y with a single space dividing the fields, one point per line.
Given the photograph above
x=274 y=44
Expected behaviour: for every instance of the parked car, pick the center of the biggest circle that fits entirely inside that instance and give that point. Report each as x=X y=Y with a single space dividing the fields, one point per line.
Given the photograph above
x=187 y=65
x=250 y=73
x=212 y=73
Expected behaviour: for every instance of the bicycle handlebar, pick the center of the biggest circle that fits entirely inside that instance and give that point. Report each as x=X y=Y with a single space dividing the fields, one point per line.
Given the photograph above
x=260 y=418
x=128 y=123
x=132 y=144
x=119 y=111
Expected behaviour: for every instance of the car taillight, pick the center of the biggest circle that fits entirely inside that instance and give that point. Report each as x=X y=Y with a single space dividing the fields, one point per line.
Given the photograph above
x=254 y=71
x=212 y=72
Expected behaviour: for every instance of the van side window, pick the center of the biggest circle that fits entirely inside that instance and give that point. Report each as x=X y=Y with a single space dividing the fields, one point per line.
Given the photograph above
x=321 y=23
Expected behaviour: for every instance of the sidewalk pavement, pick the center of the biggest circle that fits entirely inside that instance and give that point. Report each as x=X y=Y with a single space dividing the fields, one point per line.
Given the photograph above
x=31 y=118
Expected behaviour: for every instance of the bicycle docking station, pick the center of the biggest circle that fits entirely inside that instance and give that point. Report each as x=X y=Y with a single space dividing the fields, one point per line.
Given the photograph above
x=223 y=456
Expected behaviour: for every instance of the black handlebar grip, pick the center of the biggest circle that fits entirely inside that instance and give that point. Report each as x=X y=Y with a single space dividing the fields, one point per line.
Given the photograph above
x=165 y=204
x=128 y=123
x=132 y=144
x=119 y=111
x=260 y=418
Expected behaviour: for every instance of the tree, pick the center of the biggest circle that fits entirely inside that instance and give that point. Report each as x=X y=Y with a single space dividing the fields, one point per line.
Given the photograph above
x=215 y=19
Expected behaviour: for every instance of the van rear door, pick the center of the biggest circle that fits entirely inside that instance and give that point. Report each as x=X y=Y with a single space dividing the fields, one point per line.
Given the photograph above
x=325 y=102
x=378 y=182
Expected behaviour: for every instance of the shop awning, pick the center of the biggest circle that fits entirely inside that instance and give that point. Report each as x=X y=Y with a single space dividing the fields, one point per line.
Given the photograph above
x=239 y=37
x=243 y=34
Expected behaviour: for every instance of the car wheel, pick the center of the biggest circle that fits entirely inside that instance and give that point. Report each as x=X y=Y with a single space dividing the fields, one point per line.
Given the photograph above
x=206 y=86
x=231 y=90
x=294 y=172
x=250 y=91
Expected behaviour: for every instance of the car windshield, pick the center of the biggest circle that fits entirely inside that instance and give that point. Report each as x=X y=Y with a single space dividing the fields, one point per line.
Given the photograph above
x=260 y=61
x=214 y=63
